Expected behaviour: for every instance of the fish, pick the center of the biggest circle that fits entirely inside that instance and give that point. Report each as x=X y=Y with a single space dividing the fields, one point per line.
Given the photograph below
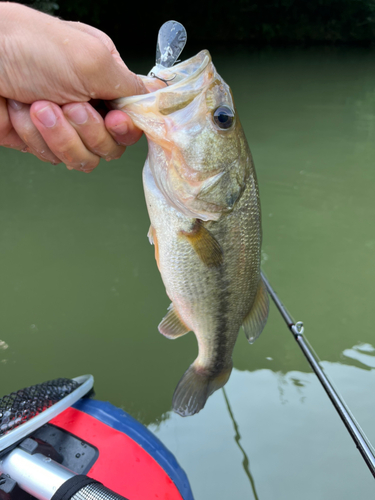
x=202 y=198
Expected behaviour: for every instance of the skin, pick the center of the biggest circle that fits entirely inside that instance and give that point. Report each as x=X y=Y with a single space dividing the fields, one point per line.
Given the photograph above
x=50 y=73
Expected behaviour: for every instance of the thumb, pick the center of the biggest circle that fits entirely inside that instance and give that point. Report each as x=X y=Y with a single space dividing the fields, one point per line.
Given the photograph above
x=113 y=79
x=105 y=76
x=116 y=81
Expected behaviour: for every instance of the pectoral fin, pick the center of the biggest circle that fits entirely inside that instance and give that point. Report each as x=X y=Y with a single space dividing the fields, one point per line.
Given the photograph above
x=152 y=238
x=171 y=325
x=150 y=235
x=256 y=319
x=204 y=244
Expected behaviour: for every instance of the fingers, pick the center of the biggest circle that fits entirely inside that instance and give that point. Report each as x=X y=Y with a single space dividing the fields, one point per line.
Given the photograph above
x=19 y=114
x=90 y=127
x=8 y=136
x=61 y=137
x=75 y=134
x=122 y=128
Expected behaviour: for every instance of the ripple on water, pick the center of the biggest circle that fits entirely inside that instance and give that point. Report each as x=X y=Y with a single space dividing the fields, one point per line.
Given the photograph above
x=361 y=355
x=269 y=433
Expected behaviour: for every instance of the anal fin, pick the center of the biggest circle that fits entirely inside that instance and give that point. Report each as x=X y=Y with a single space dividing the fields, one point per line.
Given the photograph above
x=171 y=326
x=205 y=245
x=257 y=317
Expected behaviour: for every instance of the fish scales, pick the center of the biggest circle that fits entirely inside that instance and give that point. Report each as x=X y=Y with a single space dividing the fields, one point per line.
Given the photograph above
x=203 y=201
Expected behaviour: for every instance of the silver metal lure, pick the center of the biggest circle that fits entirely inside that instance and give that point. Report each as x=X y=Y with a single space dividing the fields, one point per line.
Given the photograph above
x=171 y=42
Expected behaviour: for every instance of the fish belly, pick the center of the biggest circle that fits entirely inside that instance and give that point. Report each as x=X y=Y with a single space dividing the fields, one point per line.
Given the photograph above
x=211 y=301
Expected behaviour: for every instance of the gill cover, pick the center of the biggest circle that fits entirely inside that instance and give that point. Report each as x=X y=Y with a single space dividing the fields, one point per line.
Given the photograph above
x=199 y=165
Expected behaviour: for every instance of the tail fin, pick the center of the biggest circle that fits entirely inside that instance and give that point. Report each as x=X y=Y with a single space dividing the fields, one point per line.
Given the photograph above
x=195 y=387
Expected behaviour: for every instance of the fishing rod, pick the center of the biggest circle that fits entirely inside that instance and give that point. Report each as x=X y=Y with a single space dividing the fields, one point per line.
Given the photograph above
x=359 y=437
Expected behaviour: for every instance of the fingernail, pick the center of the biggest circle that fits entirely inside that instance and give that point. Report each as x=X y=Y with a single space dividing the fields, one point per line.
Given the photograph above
x=47 y=117
x=69 y=168
x=78 y=114
x=120 y=129
x=85 y=168
x=15 y=104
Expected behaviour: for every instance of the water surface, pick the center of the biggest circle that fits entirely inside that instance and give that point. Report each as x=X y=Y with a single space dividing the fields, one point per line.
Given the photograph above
x=80 y=291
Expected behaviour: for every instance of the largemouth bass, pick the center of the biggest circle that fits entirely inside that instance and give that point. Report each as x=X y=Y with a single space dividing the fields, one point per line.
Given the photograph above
x=202 y=198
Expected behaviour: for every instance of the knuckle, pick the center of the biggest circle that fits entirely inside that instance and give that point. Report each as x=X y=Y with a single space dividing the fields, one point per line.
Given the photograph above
x=28 y=135
x=100 y=147
x=104 y=146
x=106 y=41
x=102 y=54
x=65 y=149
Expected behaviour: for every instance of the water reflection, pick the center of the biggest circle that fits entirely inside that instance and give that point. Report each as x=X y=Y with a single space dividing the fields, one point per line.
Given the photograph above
x=3 y=347
x=361 y=355
x=237 y=438
x=301 y=433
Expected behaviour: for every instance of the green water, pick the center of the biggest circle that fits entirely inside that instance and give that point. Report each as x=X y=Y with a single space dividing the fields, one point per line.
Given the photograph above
x=80 y=291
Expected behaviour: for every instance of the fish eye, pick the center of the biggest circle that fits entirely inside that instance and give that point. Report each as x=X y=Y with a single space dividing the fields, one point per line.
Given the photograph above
x=224 y=117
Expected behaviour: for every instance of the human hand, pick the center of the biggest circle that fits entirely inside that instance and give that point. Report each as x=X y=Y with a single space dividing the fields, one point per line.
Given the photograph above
x=74 y=133
x=47 y=62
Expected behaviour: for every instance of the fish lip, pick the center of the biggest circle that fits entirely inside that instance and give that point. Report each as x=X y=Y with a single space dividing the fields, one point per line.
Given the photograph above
x=205 y=57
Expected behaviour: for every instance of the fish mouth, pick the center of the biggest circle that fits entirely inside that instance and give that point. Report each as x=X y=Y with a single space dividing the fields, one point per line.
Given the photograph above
x=163 y=111
x=186 y=73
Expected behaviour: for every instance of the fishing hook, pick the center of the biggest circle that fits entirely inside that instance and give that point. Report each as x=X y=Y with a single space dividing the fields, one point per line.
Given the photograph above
x=162 y=79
